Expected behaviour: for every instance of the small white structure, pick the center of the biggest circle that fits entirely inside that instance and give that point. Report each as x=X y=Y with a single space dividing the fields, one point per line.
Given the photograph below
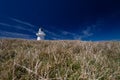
x=40 y=34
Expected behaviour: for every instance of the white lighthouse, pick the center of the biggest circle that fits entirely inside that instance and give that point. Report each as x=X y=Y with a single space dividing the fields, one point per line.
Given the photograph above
x=40 y=34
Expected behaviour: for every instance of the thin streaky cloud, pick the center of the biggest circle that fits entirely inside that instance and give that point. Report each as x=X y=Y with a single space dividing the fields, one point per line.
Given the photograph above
x=83 y=34
x=62 y=34
x=5 y=24
x=87 y=32
x=68 y=33
x=15 y=35
x=22 y=22
x=52 y=33
x=73 y=35
x=17 y=26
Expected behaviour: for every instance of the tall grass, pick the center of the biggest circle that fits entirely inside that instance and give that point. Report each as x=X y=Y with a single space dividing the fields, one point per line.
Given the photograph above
x=59 y=60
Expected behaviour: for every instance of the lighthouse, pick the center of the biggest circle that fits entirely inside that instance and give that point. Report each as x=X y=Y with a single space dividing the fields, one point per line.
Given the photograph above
x=40 y=34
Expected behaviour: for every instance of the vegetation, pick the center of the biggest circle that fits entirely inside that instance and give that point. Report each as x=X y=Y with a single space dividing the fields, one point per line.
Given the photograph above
x=59 y=60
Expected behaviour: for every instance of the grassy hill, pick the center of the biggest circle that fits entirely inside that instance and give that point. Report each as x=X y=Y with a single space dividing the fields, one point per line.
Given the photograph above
x=59 y=60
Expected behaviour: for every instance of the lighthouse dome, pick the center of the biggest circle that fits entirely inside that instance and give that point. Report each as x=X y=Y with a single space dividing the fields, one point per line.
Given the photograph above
x=40 y=32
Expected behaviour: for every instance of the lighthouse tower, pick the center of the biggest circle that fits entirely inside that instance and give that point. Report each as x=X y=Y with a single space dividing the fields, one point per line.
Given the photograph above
x=40 y=34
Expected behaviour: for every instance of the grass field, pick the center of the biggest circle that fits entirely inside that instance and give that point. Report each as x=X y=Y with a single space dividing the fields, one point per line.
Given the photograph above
x=59 y=60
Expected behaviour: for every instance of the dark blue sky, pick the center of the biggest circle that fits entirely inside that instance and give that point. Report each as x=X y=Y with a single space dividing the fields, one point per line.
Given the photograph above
x=61 y=19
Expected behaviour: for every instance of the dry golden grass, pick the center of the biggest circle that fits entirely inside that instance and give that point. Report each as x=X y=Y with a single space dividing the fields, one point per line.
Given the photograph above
x=59 y=60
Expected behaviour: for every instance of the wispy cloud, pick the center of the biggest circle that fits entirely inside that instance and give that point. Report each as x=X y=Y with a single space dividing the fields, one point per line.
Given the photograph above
x=53 y=35
x=9 y=30
x=17 y=27
x=72 y=35
x=5 y=24
x=62 y=34
x=14 y=35
x=22 y=22
x=68 y=33
x=87 y=32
